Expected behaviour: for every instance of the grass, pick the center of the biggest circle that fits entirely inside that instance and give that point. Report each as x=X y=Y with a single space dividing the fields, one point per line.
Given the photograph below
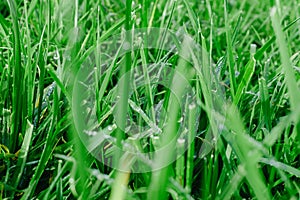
x=213 y=109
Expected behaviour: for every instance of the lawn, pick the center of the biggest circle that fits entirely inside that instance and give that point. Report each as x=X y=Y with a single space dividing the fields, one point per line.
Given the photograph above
x=140 y=99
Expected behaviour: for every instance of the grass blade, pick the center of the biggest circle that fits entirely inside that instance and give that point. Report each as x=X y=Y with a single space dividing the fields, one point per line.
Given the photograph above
x=230 y=58
x=17 y=117
x=290 y=78
x=23 y=154
x=250 y=68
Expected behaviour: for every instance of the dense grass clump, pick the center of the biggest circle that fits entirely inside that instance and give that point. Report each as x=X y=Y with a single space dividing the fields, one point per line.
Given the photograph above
x=149 y=99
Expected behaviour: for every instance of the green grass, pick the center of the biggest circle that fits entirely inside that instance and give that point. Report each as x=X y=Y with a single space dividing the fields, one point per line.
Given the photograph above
x=149 y=99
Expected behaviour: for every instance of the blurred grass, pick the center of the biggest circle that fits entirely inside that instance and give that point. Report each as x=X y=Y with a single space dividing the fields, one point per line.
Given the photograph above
x=242 y=131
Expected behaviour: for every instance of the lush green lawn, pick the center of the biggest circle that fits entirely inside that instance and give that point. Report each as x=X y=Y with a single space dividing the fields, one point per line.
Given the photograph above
x=174 y=99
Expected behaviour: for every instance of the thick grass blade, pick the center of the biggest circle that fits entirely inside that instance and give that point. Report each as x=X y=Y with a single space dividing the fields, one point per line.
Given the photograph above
x=17 y=117
x=59 y=83
x=111 y=30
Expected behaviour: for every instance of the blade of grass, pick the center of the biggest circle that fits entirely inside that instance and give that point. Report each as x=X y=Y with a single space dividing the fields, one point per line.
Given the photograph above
x=46 y=153
x=247 y=153
x=23 y=154
x=160 y=178
x=193 y=18
x=279 y=165
x=165 y=28
x=119 y=187
x=17 y=117
x=4 y=24
x=230 y=60
x=191 y=149
x=260 y=52
x=290 y=79
x=265 y=103
x=250 y=68
x=180 y=164
x=57 y=180
x=233 y=184
x=123 y=92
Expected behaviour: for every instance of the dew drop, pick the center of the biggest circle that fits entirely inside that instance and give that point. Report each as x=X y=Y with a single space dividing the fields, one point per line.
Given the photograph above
x=126 y=46
x=192 y=106
x=180 y=120
x=90 y=133
x=181 y=141
x=56 y=56
x=110 y=128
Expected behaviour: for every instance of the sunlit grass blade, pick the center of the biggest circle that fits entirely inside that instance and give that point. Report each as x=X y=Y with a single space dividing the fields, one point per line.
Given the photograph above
x=59 y=83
